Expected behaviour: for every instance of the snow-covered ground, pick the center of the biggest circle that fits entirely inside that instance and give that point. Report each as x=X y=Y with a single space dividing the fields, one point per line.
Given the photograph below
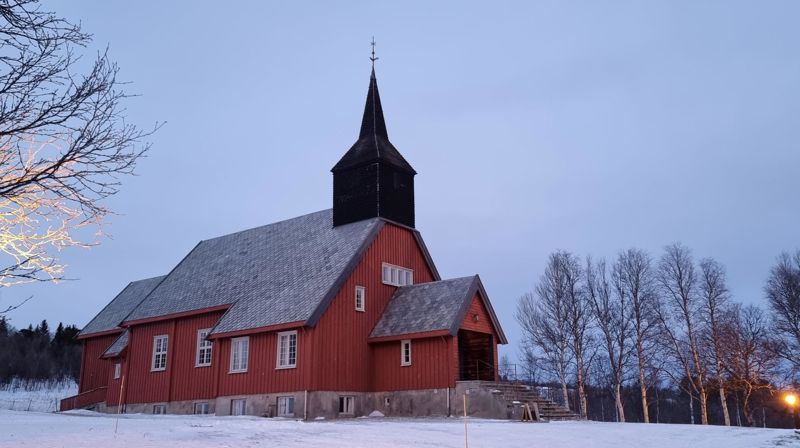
x=41 y=397
x=86 y=429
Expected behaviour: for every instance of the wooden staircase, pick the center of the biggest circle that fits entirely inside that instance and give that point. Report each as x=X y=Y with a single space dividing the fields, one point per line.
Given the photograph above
x=519 y=394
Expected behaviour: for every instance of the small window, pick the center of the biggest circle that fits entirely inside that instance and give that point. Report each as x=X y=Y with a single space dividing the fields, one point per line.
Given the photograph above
x=201 y=408
x=286 y=406
x=347 y=405
x=360 y=298
x=240 y=351
x=117 y=370
x=159 y=353
x=405 y=353
x=159 y=409
x=397 y=276
x=203 y=358
x=287 y=350
x=238 y=406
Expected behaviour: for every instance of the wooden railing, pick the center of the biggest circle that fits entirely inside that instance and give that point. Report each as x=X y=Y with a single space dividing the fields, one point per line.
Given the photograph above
x=84 y=399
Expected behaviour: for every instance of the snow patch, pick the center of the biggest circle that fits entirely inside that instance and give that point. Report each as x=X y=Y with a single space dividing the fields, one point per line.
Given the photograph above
x=376 y=414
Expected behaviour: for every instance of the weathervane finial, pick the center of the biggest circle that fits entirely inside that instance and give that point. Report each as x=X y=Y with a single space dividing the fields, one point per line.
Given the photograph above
x=373 y=58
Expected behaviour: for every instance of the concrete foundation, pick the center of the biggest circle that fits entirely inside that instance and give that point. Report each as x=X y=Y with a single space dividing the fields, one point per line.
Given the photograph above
x=312 y=405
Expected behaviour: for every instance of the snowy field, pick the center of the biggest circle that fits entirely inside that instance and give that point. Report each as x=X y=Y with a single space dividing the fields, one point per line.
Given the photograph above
x=41 y=397
x=79 y=429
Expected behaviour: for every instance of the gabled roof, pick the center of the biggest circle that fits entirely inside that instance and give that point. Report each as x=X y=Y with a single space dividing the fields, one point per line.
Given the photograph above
x=373 y=143
x=108 y=318
x=117 y=346
x=432 y=307
x=281 y=273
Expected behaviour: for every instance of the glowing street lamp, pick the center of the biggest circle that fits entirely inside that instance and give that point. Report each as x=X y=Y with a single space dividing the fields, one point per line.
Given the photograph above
x=792 y=400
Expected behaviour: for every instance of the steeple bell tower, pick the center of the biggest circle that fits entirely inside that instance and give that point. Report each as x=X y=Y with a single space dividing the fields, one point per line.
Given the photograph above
x=372 y=179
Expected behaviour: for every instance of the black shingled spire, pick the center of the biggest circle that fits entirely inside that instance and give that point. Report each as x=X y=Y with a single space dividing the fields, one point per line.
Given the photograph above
x=373 y=143
x=373 y=179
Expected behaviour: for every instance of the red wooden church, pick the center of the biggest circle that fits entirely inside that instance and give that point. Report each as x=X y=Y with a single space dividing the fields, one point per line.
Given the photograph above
x=335 y=313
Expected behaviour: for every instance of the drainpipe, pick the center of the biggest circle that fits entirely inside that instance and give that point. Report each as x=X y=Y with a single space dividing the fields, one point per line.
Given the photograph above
x=448 y=402
x=305 y=405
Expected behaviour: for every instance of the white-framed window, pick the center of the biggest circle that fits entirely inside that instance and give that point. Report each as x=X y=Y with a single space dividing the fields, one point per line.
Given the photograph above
x=117 y=370
x=396 y=276
x=201 y=408
x=238 y=406
x=347 y=405
x=159 y=353
x=286 y=406
x=203 y=358
x=405 y=352
x=287 y=350
x=360 y=297
x=240 y=352
x=159 y=409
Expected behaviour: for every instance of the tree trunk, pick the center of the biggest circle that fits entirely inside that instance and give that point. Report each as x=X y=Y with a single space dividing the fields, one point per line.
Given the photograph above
x=691 y=409
x=581 y=388
x=642 y=386
x=724 y=403
x=618 y=400
x=703 y=406
x=566 y=394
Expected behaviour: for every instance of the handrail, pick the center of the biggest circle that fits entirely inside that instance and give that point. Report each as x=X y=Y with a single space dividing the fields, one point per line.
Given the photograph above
x=84 y=399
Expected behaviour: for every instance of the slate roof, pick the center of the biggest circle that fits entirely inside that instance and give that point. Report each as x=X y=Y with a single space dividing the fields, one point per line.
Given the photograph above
x=109 y=318
x=373 y=143
x=279 y=273
x=433 y=306
x=117 y=346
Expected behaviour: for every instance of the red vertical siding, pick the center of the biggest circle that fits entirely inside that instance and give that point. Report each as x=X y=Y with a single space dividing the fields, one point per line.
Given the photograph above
x=182 y=380
x=144 y=386
x=112 y=394
x=262 y=376
x=341 y=353
x=484 y=322
x=483 y=325
x=94 y=371
x=190 y=382
x=429 y=367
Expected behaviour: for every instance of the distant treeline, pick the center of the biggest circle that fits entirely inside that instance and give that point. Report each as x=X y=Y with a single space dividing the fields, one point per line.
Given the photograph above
x=34 y=354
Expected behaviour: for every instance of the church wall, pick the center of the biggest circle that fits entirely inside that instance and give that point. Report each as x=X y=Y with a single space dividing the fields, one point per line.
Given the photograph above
x=342 y=358
x=95 y=371
x=431 y=365
x=262 y=374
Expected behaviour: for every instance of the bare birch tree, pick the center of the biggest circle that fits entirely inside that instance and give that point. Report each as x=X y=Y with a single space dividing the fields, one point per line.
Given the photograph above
x=545 y=320
x=579 y=316
x=783 y=293
x=64 y=141
x=715 y=304
x=612 y=317
x=749 y=359
x=678 y=280
x=633 y=279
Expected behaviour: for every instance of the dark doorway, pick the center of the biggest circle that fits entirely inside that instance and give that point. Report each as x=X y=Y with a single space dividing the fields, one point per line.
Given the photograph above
x=475 y=356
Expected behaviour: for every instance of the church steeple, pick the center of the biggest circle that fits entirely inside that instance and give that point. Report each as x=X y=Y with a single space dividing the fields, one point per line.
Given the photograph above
x=373 y=179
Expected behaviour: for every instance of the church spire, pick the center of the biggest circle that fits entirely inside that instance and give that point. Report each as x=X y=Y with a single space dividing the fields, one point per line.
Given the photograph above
x=373 y=179
x=373 y=143
x=373 y=124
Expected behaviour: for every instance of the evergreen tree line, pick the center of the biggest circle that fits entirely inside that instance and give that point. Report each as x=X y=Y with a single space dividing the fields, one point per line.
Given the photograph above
x=661 y=339
x=34 y=354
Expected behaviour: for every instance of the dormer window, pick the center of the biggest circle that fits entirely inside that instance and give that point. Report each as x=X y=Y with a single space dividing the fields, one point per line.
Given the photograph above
x=397 y=276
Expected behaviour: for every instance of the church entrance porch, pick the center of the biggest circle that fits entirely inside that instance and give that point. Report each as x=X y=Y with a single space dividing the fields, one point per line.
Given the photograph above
x=475 y=356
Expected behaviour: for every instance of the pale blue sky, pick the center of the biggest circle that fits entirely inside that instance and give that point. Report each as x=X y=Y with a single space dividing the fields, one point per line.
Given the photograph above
x=534 y=126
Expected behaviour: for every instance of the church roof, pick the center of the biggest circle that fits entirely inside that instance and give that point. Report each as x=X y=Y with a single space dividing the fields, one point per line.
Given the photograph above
x=109 y=317
x=434 y=306
x=275 y=274
x=373 y=143
x=117 y=346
